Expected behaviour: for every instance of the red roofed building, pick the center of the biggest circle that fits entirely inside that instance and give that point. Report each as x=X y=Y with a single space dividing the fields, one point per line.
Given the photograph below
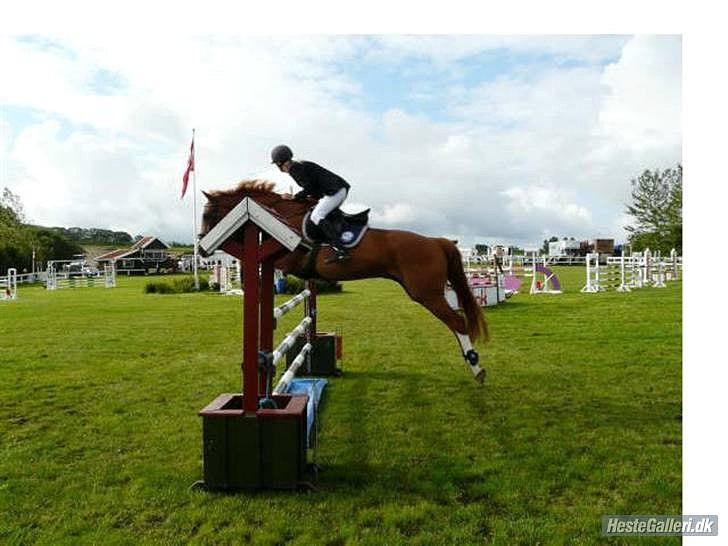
x=147 y=255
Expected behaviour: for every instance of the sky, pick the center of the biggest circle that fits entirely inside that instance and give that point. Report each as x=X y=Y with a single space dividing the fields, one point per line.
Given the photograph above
x=491 y=139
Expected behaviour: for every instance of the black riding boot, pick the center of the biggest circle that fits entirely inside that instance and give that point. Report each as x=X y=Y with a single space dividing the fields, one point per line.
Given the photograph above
x=341 y=254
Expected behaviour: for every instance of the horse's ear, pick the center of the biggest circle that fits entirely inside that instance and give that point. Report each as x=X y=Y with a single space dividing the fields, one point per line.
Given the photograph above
x=209 y=198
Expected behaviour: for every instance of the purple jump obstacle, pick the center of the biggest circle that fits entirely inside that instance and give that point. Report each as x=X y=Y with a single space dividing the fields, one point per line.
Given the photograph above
x=512 y=283
x=550 y=275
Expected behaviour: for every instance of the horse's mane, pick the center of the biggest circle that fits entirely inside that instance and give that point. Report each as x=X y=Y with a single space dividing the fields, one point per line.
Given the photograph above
x=255 y=186
x=259 y=189
x=262 y=192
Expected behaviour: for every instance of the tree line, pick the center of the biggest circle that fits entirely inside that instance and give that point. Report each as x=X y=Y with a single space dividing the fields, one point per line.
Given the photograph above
x=95 y=236
x=18 y=241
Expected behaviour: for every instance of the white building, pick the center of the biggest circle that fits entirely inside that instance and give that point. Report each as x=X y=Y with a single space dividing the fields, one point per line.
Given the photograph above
x=563 y=248
x=219 y=257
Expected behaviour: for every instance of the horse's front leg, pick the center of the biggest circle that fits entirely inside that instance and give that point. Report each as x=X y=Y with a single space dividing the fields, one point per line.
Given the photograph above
x=444 y=307
x=466 y=346
x=291 y=264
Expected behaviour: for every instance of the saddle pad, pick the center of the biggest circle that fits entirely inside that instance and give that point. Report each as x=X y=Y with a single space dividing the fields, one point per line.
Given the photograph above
x=351 y=234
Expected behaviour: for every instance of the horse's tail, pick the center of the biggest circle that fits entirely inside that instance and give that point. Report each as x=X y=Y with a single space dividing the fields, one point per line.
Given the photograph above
x=477 y=327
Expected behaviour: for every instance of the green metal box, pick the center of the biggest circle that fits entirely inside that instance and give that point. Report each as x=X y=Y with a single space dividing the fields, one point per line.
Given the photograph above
x=324 y=354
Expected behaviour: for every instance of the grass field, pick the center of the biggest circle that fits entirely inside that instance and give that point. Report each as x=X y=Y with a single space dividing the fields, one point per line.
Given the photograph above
x=580 y=416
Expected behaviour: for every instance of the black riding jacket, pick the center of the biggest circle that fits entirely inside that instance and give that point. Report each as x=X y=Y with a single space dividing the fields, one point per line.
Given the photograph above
x=315 y=180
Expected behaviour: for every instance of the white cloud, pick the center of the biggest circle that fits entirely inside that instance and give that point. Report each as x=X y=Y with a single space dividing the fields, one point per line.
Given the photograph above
x=642 y=108
x=105 y=128
x=396 y=215
x=546 y=209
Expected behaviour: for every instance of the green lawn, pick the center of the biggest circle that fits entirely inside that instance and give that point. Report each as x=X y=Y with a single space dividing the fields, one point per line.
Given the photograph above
x=580 y=416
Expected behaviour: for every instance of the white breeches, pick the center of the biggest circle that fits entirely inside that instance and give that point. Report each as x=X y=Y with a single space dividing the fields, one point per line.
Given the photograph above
x=326 y=204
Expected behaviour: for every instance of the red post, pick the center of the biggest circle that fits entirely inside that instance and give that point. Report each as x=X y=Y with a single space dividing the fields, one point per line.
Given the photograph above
x=266 y=313
x=251 y=317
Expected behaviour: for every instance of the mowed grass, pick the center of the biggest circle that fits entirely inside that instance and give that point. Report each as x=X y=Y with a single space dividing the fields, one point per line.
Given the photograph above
x=580 y=416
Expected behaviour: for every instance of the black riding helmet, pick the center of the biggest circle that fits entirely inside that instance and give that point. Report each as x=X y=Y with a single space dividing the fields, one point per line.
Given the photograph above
x=281 y=154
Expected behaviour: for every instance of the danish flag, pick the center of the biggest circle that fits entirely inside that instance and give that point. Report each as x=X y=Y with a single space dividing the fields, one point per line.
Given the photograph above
x=190 y=167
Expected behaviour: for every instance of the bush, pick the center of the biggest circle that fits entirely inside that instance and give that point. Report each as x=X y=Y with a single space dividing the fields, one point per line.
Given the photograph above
x=294 y=285
x=158 y=288
x=181 y=285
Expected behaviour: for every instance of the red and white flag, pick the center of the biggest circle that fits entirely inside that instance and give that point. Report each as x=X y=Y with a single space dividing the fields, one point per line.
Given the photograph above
x=190 y=167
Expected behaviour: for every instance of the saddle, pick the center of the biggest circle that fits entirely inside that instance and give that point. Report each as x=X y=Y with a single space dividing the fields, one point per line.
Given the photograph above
x=350 y=227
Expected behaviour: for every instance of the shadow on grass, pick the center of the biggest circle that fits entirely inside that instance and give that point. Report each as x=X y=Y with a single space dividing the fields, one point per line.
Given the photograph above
x=361 y=467
x=380 y=375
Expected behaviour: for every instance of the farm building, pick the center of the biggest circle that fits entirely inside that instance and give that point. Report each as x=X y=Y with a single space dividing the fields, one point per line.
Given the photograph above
x=602 y=246
x=148 y=255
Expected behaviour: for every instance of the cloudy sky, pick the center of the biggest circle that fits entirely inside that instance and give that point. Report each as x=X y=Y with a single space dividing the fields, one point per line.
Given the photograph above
x=486 y=139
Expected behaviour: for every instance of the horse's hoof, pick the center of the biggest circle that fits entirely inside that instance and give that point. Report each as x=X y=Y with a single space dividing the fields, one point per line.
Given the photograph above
x=479 y=376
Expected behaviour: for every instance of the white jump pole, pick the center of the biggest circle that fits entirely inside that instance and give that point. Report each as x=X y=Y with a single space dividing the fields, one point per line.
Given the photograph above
x=533 y=271
x=290 y=339
x=647 y=268
x=592 y=286
x=109 y=275
x=660 y=282
x=624 y=285
x=10 y=291
x=51 y=278
x=287 y=377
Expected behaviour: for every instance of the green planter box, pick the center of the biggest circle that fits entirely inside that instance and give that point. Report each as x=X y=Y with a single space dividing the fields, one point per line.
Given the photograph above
x=265 y=450
x=323 y=354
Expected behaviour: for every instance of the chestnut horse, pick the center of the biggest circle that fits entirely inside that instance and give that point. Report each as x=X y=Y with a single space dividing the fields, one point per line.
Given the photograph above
x=423 y=266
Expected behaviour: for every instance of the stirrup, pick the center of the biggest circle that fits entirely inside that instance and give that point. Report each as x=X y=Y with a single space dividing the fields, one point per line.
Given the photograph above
x=340 y=255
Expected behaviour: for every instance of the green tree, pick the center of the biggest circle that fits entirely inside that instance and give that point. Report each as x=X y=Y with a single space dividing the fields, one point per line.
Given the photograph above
x=11 y=209
x=545 y=247
x=18 y=240
x=657 y=211
x=95 y=236
x=481 y=249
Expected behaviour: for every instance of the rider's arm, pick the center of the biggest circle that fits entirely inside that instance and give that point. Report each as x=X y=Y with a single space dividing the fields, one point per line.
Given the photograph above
x=298 y=172
x=301 y=195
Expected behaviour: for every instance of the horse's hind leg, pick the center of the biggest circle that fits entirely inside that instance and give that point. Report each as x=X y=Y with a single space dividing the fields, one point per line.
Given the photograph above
x=445 y=311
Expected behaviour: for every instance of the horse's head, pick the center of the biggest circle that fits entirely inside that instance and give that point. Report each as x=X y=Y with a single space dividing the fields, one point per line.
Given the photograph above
x=220 y=203
x=210 y=214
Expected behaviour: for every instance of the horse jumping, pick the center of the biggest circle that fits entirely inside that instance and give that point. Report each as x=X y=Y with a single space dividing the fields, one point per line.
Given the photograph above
x=422 y=265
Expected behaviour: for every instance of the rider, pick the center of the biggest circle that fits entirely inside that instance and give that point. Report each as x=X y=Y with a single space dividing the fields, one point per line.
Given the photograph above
x=319 y=183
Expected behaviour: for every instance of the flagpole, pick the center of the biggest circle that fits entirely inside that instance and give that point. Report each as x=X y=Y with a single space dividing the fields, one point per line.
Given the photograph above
x=195 y=232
